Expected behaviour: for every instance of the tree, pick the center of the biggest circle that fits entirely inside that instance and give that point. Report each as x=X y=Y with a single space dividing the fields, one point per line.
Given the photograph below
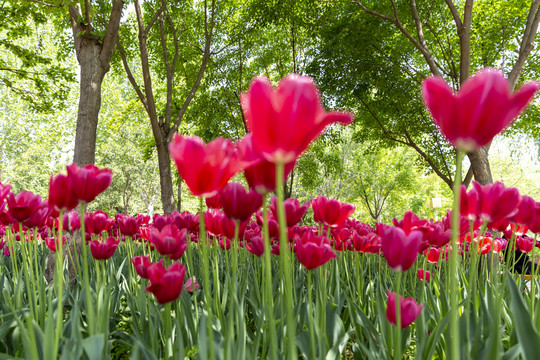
x=406 y=43
x=176 y=32
x=28 y=67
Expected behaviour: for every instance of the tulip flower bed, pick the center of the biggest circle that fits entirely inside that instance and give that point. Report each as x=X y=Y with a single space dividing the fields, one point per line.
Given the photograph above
x=245 y=278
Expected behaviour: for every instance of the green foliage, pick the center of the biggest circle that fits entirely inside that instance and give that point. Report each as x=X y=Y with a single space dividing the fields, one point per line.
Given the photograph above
x=31 y=65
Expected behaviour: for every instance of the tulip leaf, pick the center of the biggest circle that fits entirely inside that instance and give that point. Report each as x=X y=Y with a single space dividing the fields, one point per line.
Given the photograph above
x=526 y=331
x=93 y=346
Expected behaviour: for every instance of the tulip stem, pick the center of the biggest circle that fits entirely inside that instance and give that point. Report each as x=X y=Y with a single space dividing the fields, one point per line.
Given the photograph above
x=453 y=286
x=60 y=287
x=397 y=345
x=268 y=284
x=86 y=276
x=206 y=278
x=310 y=317
x=286 y=271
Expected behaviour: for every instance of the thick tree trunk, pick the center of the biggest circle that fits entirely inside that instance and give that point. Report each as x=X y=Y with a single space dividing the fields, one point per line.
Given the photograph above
x=92 y=74
x=480 y=165
x=165 y=178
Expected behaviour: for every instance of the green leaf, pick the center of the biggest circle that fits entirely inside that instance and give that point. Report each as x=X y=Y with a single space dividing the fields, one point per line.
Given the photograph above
x=93 y=346
x=527 y=334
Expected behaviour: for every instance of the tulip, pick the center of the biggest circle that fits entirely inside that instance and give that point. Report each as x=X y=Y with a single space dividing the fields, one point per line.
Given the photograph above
x=166 y=284
x=525 y=213
x=499 y=244
x=482 y=108
x=88 y=181
x=23 y=205
x=398 y=249
x=262 y=176
x=424 y=275
x=4 y=192
x=159 y=221
x=409 y=310
x=97 y=222
x=370 y=243
x=484 y=244
x=187 y=221
x=496 y=202
x=103 y=251
x=525 y=243
x=284 y=121
x=331 y=212
x=255 y=246
x=128 y=226
x=141 y=264
x=213 y=202
x=38 y=217
x=169 y=241
x=206 y=168
x=313 y=251
x=534 y=224
x=293 y=210
x=239 y=204
x=61 y=195
x=71 y=221
x=191 y=284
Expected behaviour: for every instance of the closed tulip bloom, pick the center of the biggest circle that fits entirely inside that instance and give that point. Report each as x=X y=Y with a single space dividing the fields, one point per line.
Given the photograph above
x=482 y=108
x=398 y=249
x=23 y=205
x=331 y=212
x=262 y=176
x=496 y=202
x=293 y=210
x=141 y=264
x=534 y=224
x=239 y=204
x=525 y=243
x=61 y=195
x=128 y=225
x=186 y=220
x=159 y=221
x=285 y=120
x=4 y=192
x=88 y=181
x=166 y=284
x=71 y=221
x=51 y=242
x=103 y=250
x=499 y=244
x=255 y=246
x=469 y=203
x=409 y=310
x=525 y=211
x=191 y=284
x=97 y=222
x=424 y=275
x=39 y=217
x=214 y=202
x=169 y=241
x=206 y=168
x=313 y=251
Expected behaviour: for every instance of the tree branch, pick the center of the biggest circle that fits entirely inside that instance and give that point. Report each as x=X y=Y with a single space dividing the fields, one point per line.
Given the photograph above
x=112 y=32
x=129 y=74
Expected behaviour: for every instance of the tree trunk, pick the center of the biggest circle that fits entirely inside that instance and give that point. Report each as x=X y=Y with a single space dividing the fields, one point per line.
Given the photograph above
x=92 y=74
x=179 y=203
x=165 y=178
x=480 y=166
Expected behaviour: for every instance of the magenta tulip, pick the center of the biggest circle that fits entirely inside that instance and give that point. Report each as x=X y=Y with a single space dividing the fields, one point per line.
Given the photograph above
x=313 y=251
x=398 y=249
x=166 y=284
x=409 y=310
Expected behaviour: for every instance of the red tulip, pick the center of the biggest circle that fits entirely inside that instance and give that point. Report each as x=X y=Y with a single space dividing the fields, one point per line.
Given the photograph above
x=370 y=243
x=293 y=210
x=534 y=224
x=103 y=251
x=128 y=225
x=88 y=181
x=206 y=168
x=525 y=243
x=61 y=195
x=331 y=212
x=482 y=108
x=284 y=121
x=4 y=192
x=496 y=202
x=166 y=285
x=424 y=275
x=239 y=204
x=141 y=264
x=499 y=244
x=409 y=310
x=71 y=221
x=51 y=242
x=97 y=222
x=159 y=221
x=38 y=217
x=214 y=202
x=525 y=213
x=23 y=205
x=262 y=176
x=169 y=241
x=255 y=246
x=187 y=221
x=484 y=244
x=398 y=249
x=313 y=251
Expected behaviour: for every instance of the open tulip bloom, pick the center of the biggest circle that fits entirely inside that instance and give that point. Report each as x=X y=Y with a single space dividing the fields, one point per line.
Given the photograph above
x=482 y=108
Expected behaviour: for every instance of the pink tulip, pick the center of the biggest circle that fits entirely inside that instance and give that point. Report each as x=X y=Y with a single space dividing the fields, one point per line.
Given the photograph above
x=398 y=249
x=424 y=275
x=331 y=212
x=293 y=210
x=166 y=284
x=482 y=108
x=103 y=250
x=313 y=251
x=284 y=121
x=191 y=284
x=239 y=204
x=409 y=310
x=88 y=181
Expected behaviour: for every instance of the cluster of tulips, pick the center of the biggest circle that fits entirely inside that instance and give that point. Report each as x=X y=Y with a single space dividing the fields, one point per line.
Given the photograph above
x=282 y=123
